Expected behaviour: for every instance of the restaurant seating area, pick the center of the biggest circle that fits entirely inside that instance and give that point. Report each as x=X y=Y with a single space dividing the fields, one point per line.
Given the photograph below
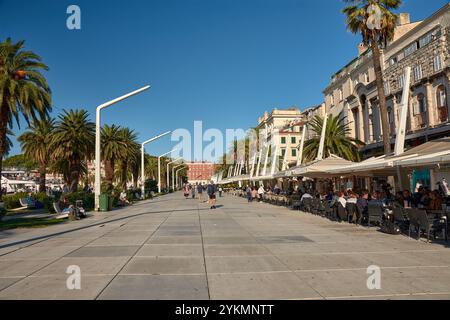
x=412 y=222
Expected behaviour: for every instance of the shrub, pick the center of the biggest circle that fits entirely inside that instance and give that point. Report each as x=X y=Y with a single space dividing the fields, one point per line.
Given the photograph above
x=2 y=213
x=12 y=201
x=87 y=198
x=47 y=202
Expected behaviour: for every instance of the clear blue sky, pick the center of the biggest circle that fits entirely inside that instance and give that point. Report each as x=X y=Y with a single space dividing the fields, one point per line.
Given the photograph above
x=221 y=61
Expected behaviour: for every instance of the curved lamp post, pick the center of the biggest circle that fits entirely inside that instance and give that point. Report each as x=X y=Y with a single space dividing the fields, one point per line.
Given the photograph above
x=173 y=175
x=176 y=174
x=143 y=162
x=159 y=167
x=168 y=171
x=97 y=185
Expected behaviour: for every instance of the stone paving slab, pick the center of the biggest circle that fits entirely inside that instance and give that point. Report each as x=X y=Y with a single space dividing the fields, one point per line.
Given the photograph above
x=173 y=248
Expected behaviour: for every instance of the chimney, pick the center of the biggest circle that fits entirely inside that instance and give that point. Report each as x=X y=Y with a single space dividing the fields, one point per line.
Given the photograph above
x=403 y=19
x=362 y=48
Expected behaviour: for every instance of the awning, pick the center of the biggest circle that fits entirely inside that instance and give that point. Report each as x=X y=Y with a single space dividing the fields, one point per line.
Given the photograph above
x=321 y=168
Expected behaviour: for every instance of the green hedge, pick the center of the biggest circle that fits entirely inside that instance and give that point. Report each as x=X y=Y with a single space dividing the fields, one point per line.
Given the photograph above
x=2 y=212
x=12 y=201
x=87 y=198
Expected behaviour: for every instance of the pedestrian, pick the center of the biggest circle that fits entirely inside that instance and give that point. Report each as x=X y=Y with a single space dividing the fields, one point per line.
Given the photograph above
x=200 y=192
x=211 y=190
x=193 y=192
x=261 y=192
x=220 y=192
x=186 y=191
x=249 y=194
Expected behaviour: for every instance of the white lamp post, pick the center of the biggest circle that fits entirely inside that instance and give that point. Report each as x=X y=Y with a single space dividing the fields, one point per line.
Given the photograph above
x=176 y=174
x=143 y=162
x=173 y=175
x=159 y=168
x=168 y=171
x=97 y=185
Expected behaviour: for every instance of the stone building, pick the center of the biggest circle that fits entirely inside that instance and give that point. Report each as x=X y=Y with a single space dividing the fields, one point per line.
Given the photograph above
x=423 y=46
x=274 y=129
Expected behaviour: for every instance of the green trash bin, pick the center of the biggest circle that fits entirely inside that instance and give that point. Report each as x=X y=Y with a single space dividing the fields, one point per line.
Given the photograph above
x=105 y=202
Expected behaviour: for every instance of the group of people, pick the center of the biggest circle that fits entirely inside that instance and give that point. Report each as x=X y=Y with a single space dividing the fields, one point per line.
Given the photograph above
x=197 y=190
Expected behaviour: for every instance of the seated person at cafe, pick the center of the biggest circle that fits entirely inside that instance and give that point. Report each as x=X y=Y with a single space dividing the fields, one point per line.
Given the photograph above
x=435 y=202
x=123 y=198
x=407 y=199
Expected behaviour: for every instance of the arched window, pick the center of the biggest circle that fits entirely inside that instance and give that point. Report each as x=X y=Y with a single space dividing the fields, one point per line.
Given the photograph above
x=420 y=105
x=441 y=102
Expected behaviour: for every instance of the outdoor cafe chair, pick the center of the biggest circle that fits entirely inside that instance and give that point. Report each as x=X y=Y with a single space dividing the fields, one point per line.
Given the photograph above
x=374 y=213
x=328 y=211
x=295 y=202
x=431 y=224
x=351 y=211
x=341 y=212
x=307 y=204
x=413 y=220
x=400 y=217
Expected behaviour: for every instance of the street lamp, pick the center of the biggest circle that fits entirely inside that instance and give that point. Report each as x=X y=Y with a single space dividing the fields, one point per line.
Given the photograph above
x=168 y=171
x=143 y=162
x=173 y=175
x=97 y=185
x=159 y=168
x=176 y=174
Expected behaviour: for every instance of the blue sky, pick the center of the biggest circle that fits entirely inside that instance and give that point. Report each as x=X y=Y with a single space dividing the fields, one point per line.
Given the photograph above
x=224 y=62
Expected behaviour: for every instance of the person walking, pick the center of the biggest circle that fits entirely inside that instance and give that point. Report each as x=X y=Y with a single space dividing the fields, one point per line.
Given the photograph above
x=211 y=190
x=200 y=192
x=261 y=192
x=220 y=192
x=249 y=194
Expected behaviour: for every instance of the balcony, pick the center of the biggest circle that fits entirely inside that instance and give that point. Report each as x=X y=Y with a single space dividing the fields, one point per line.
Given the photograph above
x=420 y=120
x=443 y=114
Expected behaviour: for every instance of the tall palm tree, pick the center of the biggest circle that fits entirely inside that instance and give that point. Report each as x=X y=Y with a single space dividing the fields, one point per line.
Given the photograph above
x=130 y=155
x=73 y=144
x=358 y=15
x=36 y=144
x=112 y=150
x=23 y=89
x=337 y=139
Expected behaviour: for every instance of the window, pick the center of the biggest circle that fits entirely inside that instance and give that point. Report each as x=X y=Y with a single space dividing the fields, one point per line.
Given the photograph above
x=387 y=88
x=420 y=106
x=332 y=99
x=366 y=77
x=355 y=83
x=293 y=140
x=441 y=97
x=283 y=152
x=341 y=95
x=283 y=140
x=425 y=40
x=293 y=152
x=401 y=81
x=392 y=61
x=418 y=72
x=411 y=49
x=437 y=63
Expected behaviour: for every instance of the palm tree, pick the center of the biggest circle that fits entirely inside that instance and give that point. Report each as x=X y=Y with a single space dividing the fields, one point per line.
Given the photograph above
x=23 y=89
x=358 y=14
x=73 y=143
x=36 y=144
x=130 y=155
x=337 y=139
x=113 y=147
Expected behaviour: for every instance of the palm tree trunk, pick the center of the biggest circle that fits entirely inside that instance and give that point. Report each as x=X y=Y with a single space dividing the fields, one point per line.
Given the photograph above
x=42 y=181
x=74 y=175
x=3 y=129
x=124 y=174
x=381 y=97
x=109 y=173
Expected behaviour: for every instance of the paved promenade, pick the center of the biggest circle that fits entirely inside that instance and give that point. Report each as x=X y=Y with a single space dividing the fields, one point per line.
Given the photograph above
x=172 y=248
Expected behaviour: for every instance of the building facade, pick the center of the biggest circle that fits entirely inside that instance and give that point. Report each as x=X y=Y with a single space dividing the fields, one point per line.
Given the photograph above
x=200 y=172
x=424 y=46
